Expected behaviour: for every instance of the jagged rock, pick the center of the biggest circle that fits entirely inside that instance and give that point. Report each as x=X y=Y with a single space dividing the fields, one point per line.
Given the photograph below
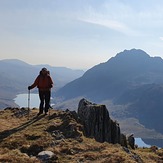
x=136 y=157
x=12 y=109
x=74 y=115
x=69 y=128
x=131 y=141
x=21 y=112
x=58 y=135
x=126 y=150
x=123 y=140
x=115 y=132
x=97 y=123
x=18 y=112
x=46 y=156
x=153 y=148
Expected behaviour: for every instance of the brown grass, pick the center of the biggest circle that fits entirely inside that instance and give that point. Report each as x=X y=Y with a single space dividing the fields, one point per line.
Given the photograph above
x=22 y=139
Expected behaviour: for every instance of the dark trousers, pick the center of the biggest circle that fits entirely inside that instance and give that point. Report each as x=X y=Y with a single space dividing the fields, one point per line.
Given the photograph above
x=44 y=98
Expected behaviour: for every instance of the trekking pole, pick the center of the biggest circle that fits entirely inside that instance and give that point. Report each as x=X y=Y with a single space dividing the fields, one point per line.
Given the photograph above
x=50 y=107
x=49 y=110
x=28 y=103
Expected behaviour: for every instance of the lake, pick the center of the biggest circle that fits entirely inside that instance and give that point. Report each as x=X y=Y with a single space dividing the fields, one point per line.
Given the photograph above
x=22 y=100
x=141 y=143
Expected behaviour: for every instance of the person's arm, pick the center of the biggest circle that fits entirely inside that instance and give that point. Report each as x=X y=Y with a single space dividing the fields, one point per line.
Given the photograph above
x=34 y=84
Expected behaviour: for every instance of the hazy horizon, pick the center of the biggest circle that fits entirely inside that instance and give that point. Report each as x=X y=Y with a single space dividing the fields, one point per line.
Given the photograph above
x=78 y=34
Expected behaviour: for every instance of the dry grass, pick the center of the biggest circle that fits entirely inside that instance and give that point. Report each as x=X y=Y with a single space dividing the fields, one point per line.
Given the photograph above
x=22 y=139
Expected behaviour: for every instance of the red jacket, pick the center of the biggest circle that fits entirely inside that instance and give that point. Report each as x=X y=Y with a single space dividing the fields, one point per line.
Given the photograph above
x=43 y=83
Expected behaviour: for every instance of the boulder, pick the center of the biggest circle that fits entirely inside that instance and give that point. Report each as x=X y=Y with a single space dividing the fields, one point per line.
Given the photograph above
x=115 y=132
x=123 y=140
x=97 y=122
x=46 y=156
x=131 y=141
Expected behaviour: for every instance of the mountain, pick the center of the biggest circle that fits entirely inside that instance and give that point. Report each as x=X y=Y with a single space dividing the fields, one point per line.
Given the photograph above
x=110 y=79
x=16 y=75
x=146 y=104
x=132 y=81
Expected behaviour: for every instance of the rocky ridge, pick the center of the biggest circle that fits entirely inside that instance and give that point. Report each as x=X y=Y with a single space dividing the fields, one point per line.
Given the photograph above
x=61 y=137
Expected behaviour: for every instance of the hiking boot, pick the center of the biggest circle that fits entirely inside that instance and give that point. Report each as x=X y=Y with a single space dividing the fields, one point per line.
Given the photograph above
x=46 y=113
x=39 y=113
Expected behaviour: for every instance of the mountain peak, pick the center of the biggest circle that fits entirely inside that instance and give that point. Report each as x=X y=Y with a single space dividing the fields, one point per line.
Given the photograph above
x=109 y=79
x=133 y=53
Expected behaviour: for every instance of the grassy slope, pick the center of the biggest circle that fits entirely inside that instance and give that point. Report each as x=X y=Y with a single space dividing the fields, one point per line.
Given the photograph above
x=22 y=139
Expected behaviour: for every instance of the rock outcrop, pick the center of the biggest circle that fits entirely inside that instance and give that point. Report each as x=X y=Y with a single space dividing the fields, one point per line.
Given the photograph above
x=131 y=141
x=97 y=122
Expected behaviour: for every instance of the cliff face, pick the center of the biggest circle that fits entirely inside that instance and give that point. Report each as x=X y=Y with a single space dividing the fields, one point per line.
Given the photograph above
x=97 y=123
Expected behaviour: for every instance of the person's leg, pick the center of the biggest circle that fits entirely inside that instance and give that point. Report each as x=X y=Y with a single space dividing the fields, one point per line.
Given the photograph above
x=47 y=100
x=41 y=96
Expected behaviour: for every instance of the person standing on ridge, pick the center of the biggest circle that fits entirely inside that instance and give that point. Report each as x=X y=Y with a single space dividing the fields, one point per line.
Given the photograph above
x=44 y=84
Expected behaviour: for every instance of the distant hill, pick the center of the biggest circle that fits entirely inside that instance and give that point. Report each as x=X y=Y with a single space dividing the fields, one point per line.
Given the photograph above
x=132 y=80
x=16 y=75
x=109 y=80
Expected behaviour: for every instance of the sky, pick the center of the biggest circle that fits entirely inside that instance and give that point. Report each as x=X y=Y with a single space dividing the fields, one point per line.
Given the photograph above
x=78 y=34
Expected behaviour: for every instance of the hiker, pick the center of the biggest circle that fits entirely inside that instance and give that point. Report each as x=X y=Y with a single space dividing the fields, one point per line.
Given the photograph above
x=44 y=84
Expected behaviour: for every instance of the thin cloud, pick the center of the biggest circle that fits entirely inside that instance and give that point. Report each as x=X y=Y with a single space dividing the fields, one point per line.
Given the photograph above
x=107 y=23
x=112 y=24
x=161 y=38
x=130 y=19
x=106 y=16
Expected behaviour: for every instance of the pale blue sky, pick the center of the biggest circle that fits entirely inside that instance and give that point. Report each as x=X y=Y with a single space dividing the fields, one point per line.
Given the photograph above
x=78 y=33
